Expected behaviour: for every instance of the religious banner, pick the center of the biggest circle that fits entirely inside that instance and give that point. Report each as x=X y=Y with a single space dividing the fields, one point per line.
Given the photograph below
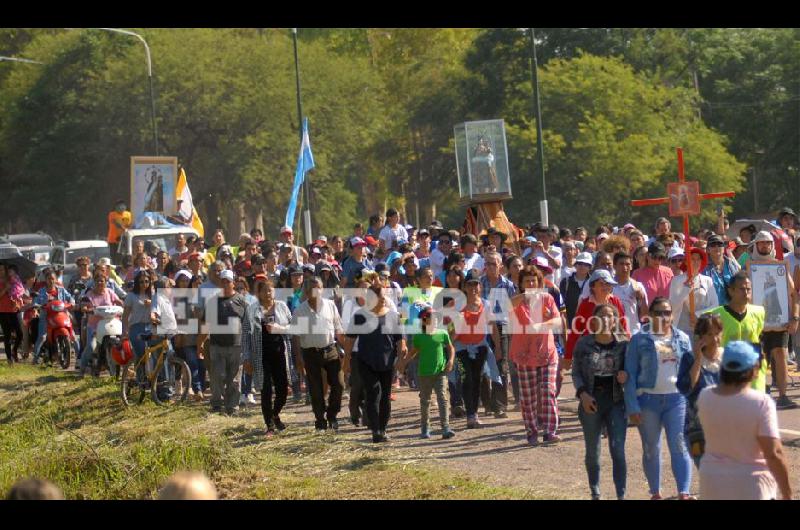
x=684 y=198
x=770 y=281
x=153 y=185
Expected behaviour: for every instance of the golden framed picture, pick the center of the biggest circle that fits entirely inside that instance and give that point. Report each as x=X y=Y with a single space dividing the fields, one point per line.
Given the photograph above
x=153 y=181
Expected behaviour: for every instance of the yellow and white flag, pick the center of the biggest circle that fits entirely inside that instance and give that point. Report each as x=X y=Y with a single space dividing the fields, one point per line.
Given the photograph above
x=187 y=209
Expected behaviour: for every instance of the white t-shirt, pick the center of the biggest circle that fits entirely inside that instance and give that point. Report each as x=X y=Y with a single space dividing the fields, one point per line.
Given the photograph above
x=473 y=262
x=390 y=235
x=667 y=374
x=437 y=262
x=705 y=297
x=733 y=466
x=626 y=292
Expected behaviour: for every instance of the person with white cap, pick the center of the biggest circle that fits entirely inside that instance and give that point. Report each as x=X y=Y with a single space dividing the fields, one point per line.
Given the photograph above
x=702 y=287
x=743 y=457
x=298 y=253
x=601 y=287
x=775 y=342
x=676 y=258
x=572 y=286
x=225 y=344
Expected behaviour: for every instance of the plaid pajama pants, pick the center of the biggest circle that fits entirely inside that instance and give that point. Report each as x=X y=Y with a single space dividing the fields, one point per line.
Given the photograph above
x=537 y=392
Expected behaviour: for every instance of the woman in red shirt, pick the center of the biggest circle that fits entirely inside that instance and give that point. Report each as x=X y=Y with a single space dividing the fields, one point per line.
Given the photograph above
x=11 y=292
x=601 y=284
x=533 y=350
x=471 y=345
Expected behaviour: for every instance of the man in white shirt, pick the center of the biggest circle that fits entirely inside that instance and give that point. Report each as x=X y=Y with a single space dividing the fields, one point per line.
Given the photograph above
x=317 y=325
x=440 y=253
x=630 y=292
x=392 y=231
x=570 y=252
x=472 y=260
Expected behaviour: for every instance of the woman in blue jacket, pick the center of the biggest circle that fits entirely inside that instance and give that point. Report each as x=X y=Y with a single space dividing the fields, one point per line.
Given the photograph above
x=652 y=399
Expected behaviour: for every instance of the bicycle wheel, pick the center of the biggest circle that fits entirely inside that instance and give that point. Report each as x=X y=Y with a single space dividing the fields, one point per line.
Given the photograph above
x=64 y=352
x=130 y=386
x=172 y=387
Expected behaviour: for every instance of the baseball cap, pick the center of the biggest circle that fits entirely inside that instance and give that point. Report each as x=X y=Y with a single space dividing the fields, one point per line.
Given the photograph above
x=739 y=356
x=542 y=264
x=371 y=241
x=309 y=268
x=295 y=269
x=423 y=231
x=105 y=262
x=601 y=236
x=316 y=250
x=629 y=226
x=675 y=253
x=585 y=258
x=286 y=230
x=763 y=236
x=602 y=274
x=183 y=273
x=472 y=277
x=324 y=266
x=437 y=225
x=227 y=274
x=786 y=210
x=656 y=249
x=357 y=242
x=716 y=240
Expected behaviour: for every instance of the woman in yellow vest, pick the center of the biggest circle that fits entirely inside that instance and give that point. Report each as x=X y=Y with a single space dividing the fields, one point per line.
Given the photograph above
x=742 y=320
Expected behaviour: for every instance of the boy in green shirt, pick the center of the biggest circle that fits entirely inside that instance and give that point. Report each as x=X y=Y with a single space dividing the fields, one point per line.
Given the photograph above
x=432 y=369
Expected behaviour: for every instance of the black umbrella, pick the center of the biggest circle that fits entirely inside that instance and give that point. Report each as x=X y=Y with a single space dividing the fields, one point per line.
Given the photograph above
x=10 y=255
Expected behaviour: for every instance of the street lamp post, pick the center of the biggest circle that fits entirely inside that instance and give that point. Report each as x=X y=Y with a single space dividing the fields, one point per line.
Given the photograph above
x=149 y=79
x=538 y=115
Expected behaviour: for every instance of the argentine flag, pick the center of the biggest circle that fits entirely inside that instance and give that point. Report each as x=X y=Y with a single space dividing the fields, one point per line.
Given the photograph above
x=305 y=162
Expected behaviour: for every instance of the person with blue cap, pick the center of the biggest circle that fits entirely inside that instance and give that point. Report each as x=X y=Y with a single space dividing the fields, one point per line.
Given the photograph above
x=743 y=457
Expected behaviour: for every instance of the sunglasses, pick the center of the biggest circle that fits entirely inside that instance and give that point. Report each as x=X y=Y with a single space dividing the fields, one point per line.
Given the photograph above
x=662 y=312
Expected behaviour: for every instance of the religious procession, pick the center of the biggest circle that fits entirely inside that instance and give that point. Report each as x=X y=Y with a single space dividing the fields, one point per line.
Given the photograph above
x=672 y=311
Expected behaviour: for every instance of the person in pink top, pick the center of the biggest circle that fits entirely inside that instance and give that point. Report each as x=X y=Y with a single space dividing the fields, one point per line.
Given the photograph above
x=97 y=296
x=655 y=277
x=533 y=350
x=11 y=291
x=743 y=457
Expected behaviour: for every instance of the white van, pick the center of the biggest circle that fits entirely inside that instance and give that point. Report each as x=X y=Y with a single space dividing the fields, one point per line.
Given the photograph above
x=163 y=237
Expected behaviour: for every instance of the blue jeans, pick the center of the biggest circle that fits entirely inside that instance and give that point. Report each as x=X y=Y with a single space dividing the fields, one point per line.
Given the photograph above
x=612 y=415
x=196 y=367
x=667 y=411
x=247 y=384
x=139 y=345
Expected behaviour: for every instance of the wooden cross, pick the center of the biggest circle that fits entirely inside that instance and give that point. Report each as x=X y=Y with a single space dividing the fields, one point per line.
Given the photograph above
x=684 y=200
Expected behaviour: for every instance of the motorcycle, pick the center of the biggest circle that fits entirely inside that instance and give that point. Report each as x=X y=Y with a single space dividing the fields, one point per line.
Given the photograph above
x=57 y=347
x=106 y=337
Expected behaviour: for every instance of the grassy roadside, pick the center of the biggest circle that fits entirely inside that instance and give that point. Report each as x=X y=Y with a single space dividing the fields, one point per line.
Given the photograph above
x=78 y=434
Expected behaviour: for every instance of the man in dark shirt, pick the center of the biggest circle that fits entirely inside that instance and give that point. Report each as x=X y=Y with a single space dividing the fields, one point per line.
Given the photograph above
x=225 y=343
x=356 y=262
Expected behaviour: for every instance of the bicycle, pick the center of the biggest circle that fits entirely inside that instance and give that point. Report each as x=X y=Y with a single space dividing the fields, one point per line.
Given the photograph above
x=178 y=377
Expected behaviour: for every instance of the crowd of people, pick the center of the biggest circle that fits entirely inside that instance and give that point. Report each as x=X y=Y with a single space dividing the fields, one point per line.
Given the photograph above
x=479 y=322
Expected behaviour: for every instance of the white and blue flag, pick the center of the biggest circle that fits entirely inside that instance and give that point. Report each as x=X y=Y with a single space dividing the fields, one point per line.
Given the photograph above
x=305 y=162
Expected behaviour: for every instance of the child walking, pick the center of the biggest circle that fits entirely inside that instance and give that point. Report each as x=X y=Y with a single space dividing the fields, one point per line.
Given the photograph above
x=432 y=369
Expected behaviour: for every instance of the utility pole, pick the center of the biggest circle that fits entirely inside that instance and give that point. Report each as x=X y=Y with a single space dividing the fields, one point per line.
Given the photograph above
x=538 y=115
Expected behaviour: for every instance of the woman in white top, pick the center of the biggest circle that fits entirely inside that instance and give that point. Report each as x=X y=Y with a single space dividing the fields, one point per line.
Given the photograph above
x=705 y=296
x=743 y=457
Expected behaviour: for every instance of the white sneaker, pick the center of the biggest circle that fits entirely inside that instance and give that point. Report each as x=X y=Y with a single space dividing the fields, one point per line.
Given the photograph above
x=251 y=399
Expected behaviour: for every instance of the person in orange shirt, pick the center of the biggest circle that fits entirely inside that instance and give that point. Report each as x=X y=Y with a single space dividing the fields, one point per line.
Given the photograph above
x=119 y=219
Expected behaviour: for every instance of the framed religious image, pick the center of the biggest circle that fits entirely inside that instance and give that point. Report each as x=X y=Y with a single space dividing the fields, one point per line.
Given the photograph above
x=770 y=281
x=482 y=161
x=153 y=185
x=684 y=198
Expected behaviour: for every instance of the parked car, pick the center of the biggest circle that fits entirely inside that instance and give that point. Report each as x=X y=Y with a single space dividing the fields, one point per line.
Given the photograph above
x=23 y=241
x=163 y=237
x=66 y=252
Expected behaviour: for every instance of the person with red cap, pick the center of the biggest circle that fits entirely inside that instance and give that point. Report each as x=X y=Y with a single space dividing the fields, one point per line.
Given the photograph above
x=705 y=296
x=298 y=253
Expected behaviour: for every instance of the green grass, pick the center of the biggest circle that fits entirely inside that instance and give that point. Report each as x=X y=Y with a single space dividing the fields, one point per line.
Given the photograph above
x=78 y=434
